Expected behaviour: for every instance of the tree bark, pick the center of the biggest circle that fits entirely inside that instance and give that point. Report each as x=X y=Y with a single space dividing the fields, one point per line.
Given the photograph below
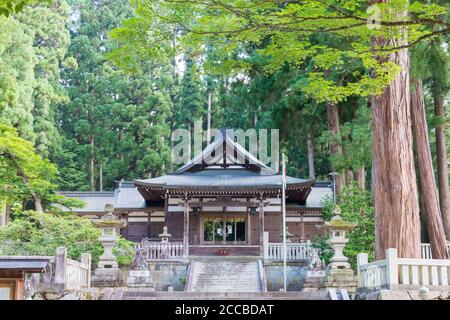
x=397 y=221
x=310 y=146
x=431 y=212
x=361 y=178
x=349 y=177
x=442 y=168
x=335 y=147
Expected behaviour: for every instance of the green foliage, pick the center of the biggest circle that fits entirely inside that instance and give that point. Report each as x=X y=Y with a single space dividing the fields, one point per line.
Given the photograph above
x=120 y=121
x=284 y=34
x=124 y=251
x=22 y=170
x=8 y=7
x=356 y=206
x=355 y=137
x=34 y=233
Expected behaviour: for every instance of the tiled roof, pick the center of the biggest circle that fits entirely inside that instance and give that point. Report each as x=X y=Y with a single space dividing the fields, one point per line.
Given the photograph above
x=95 y=201
x=221 y=178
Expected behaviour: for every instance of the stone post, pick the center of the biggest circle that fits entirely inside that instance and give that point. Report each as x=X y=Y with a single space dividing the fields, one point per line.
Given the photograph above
x=60 y=266
x=392 y=268
x=361 y=259
x=87 y=260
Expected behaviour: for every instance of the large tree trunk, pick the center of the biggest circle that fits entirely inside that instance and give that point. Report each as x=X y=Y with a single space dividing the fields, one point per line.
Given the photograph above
x=310 y=146
x=431 y=212
x=442 y=168
x=397 y=221
x=335 y=147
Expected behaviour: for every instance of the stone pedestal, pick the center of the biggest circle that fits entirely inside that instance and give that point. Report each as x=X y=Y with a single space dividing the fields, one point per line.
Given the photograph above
x=313 y=281
x=340 y=279
x=107 y=277
x=140 y=278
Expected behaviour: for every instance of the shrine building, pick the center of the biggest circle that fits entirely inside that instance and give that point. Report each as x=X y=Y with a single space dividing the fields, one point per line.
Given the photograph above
x=224 y=198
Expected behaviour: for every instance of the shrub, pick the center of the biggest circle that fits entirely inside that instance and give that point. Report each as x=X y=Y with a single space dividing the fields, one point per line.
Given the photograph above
x=34 y=233
x=356 y=205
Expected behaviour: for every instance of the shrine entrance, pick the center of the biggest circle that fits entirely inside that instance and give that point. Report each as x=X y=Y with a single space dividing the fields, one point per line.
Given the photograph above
x=225 y=229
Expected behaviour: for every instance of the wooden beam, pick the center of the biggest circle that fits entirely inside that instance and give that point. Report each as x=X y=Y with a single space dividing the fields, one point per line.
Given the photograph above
x=219 y=203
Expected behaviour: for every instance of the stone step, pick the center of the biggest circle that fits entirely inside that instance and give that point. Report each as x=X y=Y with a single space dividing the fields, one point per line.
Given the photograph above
x=225 y=276
x=182 y=295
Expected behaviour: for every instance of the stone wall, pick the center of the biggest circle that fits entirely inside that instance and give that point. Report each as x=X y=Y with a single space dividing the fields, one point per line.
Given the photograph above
x=169 y=274
x=296 y=275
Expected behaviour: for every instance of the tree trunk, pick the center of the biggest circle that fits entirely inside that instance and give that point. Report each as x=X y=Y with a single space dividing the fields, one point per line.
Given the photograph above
x=100 y=177
x=361 y=178
x=349 y=177
x=36 y=197
x=208 y=124
x=91 y=161
x=397 y=221
x=310 y=146
x=2 y=212
x=431 y=212
x=335 y=147
x=442 y=168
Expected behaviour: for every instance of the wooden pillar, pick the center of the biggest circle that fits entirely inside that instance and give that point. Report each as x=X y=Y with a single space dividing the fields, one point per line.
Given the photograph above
x=186 y=229
x=261 y=226
x=126 y=228
x=302 y=225
x=149 y=224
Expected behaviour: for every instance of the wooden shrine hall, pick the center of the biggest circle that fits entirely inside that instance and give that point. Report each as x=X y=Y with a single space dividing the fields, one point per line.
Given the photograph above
x=224 y=198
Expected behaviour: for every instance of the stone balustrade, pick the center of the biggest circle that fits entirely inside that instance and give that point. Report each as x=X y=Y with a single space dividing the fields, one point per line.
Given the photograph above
x=402 y=273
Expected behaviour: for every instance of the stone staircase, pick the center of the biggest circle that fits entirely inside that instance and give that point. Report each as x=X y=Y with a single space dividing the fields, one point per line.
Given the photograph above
x=226 y=275
x=183 y=295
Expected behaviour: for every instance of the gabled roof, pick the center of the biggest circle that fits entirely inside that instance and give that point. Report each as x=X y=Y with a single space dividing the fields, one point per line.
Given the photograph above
x=223 y=167
x=225 y=152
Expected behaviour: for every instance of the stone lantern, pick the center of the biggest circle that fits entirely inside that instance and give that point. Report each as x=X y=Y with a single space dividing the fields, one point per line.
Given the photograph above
x=108 y=269
x=337 y=229
x=288 y=236
x=165 y=236
x=339 y=274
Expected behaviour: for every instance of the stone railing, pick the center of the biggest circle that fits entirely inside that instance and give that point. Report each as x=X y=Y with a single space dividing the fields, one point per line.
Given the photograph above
x=161 y=250
x=425 y=250
x=294 y=251
x=397 y=273
x=63 y=273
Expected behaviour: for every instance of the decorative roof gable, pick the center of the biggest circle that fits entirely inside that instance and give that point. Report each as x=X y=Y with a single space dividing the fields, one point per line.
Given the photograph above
x=225 y=153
